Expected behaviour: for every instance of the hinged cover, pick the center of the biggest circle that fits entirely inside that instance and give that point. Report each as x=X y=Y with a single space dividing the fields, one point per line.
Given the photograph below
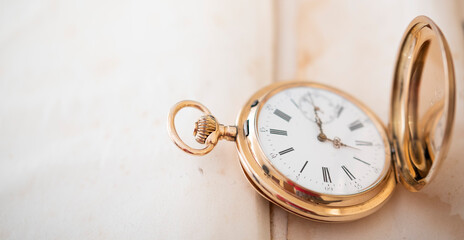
x=422 y=103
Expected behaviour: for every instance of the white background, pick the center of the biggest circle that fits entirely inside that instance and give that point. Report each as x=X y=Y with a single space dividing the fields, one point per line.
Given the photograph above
x=85 y=88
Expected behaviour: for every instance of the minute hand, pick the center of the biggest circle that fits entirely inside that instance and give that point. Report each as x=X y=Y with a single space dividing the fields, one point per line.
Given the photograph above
x=321 y=137
x=337 y=142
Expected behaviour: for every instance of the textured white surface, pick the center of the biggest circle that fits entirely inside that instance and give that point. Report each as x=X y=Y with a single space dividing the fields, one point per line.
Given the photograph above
x=85 y=88
x=353 y=46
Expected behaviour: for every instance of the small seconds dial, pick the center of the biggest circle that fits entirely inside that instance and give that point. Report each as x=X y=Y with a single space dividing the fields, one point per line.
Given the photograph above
x=321 y=141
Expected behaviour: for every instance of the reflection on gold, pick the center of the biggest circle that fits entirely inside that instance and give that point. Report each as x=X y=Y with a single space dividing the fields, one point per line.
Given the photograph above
x=423 y=92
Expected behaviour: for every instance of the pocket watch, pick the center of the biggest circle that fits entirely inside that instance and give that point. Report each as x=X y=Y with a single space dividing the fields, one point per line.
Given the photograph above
x=319 y=153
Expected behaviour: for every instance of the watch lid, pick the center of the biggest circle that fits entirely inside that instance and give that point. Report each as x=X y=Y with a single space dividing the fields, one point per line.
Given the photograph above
x=422 y=103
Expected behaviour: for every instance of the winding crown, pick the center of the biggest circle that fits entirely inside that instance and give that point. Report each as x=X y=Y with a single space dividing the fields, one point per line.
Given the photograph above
x=204 y=127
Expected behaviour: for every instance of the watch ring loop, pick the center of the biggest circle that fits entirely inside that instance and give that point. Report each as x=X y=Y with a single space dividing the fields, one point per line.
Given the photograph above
x=175 y=136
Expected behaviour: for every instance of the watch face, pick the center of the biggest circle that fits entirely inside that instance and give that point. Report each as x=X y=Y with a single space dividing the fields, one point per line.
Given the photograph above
x=322 y=141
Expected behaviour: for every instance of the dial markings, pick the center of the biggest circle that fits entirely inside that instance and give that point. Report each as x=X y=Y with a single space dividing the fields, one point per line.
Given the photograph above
x=286 y=151
x=282 y=115
x=350 y=175
x=326 y=175
x=340 y=110
x=303 y=166
x=355 y=125
x=363 y=143
x=294 y=103
x=286 y=124
x=362 y=161
x=278 y=132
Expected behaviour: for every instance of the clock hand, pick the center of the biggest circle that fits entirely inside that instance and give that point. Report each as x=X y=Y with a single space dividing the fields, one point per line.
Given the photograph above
x=337 y=142
x=317 y=118
x=321 y=137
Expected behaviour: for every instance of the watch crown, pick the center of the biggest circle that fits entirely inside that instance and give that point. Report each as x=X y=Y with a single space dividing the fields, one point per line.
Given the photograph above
x=204 y=127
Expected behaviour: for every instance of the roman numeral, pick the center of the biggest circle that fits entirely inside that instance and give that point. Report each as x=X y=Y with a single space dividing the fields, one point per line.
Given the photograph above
x=294 y=103
x=340 y=110
x=282 y=115
x=355 y=125
x=278 y=132
x=363 y=143
x=326 y=175
x=350 y=175
x=286 y=151
x=303 y=166
x=362 y=161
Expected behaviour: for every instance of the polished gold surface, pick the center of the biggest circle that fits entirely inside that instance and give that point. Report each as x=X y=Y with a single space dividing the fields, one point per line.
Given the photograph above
x=207 y=130
x=423 y=92
x=206 y=125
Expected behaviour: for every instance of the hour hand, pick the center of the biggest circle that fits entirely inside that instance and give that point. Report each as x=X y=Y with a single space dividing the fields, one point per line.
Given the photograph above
x=317 y=118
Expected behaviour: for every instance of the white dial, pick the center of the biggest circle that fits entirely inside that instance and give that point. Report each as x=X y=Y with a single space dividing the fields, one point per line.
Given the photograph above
x=321 y=141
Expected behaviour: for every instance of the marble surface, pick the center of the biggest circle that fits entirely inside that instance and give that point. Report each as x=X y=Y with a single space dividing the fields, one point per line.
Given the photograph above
x=85 y=88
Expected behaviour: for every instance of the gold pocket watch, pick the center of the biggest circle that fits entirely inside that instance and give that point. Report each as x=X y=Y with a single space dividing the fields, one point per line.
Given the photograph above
x=321 y=154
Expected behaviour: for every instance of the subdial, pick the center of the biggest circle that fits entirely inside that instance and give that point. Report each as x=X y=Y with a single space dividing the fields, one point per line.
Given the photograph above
x=326 y=109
